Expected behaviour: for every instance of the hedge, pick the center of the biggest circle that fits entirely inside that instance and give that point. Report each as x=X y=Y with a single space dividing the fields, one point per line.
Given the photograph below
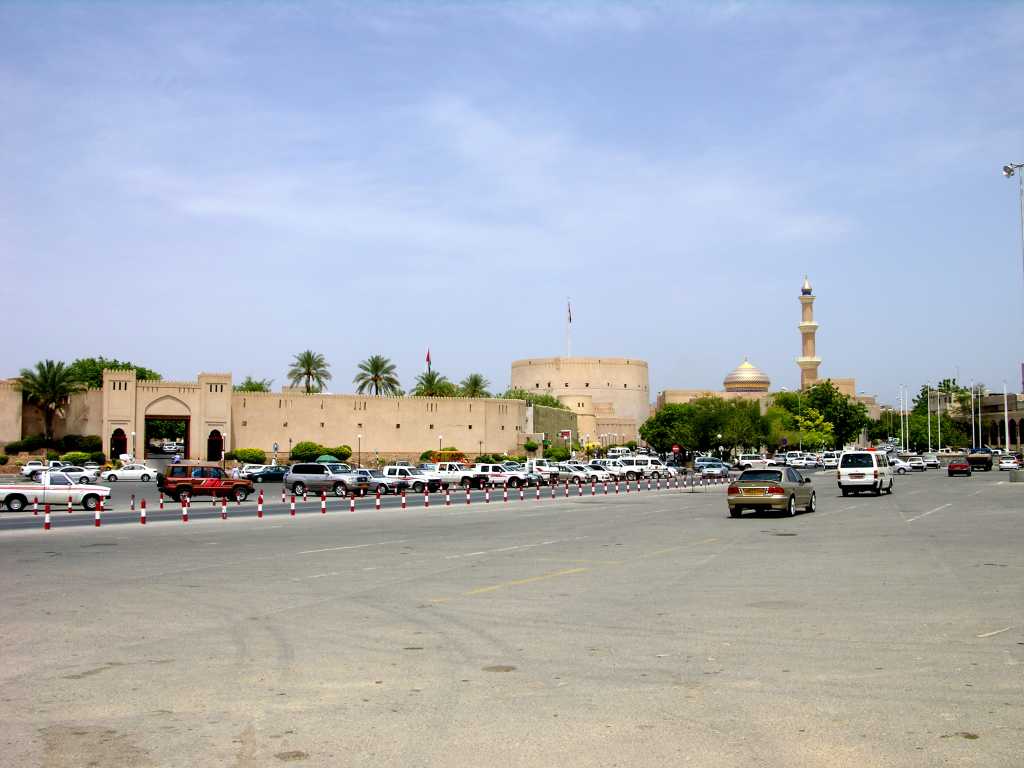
x=75 y=457
x=250 y=455
x=66 y=444
x=3 y=460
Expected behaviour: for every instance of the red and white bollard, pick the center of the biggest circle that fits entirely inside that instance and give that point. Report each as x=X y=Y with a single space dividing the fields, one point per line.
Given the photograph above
x=376 y=503
x=161 y=501
x=522 y=492
x=35 y=505
x=616 y=486
x=223 y=507
x=70 y=510
x=259 y=504
x=282 y=495
x=553 y=484
x=605 y=487
x=579 y=488
x=305 y=495
x=447 y=497
x=323 y=502
x=184 y=509
x=538 y=490
x=142 y=512
x=504 y=493
x=469 y=495
x=131 y=504
x=567 y=489
x=291 y=507
x=352 y=503
x=426 y=498
x=487 y=494
x=99 y=510
x=593 y=486
x=403 y=499
x=648 y=483
x=46 y=517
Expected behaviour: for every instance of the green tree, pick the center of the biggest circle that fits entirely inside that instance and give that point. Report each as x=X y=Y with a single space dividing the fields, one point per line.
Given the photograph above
x=377 y=376
x=311 y=370
x=813 y=431
x=254 y=385
x=306 y=450
x=744 y=427
x=474 y=385
x=433 y=384
x=89 y=370
x=846 y=415
x=49 y=386
x=669 y=426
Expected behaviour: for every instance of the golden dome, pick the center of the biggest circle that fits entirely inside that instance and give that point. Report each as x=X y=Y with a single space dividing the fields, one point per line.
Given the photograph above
x=747 y=378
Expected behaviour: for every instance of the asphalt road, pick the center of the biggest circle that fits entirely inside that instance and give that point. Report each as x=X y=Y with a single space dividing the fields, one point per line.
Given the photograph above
x=642 y=630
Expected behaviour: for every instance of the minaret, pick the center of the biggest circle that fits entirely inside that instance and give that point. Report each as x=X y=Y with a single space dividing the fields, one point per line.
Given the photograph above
x=807 y=361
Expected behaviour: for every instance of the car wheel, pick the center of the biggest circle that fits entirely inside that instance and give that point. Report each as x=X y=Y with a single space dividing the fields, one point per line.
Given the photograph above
x=144 y=478
x=185 y=494
x=631 y=475
x=90 y=502
x=417 y=487
x=240 y=494
x=791 y=507
x=812 y=505
x=111 y=478
x=735 y=511
x=656 y=475
x=878 y=489
x=513 y=482
x=339 y=489
x=465 y=482
x=299 y=488
x=901 y=471
x=15 y=503
x=37 y=476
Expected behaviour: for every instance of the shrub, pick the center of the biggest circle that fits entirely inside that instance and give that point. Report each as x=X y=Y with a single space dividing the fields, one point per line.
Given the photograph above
x=557 y=453
x=250 y=455
x=34 y=443
x=85 y=443
x=306 y=450
x=427 y=456
x=98 y=457
x=343 y=452
x=52 y=455
x=3 y=460
x=75 y=457
x=530 y=446
x=12 y=448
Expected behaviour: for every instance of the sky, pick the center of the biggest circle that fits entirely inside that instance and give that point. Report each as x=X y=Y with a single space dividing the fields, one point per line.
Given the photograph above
x=218 y=186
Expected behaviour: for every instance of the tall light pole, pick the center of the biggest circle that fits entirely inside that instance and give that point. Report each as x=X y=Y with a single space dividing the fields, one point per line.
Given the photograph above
x=928 y=404
x=938 y=415
x=440 y=440
x=134 y=457
x=1006 y=418
x=359 y=450
x=1008 y=171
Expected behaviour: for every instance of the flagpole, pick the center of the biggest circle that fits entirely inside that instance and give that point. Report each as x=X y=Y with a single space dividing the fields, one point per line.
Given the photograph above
x=568 y=328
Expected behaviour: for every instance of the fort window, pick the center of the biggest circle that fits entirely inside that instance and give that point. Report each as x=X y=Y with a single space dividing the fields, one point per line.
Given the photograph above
x=470 y=426
x=321 y=425
x=398 y=426
x=245 y=423
x=431 y=426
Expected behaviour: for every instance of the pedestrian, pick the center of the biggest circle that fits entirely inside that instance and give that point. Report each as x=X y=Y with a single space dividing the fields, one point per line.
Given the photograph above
x=234 y=473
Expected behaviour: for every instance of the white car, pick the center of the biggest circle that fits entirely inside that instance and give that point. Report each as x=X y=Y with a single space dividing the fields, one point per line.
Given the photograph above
x=917 y=464
x=830 y=460
x=899 y=466
x=53 y=488
x=572 y=473
x=864 y=471
x=1008 y=462
x=752 y=461
x=81 y=475
x=130 y=472
x=931 y=461
x=599 y=473
x=248 y=468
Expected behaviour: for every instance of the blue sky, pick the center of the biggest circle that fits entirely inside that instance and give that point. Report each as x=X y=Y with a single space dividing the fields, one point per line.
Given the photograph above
x=218 y=186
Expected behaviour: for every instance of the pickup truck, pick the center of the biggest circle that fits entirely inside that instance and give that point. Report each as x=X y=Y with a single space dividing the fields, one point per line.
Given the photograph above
x=35 y=467
x=755 y=461
x=53 y=488
x=418 y=479
x=497 y=475
x=544 y=468
x=459 y=474
x=980 y=459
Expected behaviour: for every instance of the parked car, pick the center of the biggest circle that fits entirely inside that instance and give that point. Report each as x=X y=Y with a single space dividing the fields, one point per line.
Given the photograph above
x=546 y=469
x=574 y=474
x=864 y=471
x=53 y=487
x=81 y=475
x=317 y=477
x=195 y=478
x=752 y=461
x=959 y=467
x=271 y=474
x=917 y=463
x=139 y=472
x=1008 y=462
x=714 y=469
x=417 y=479
x=830 y=460
x=374 y=480
x=35 y=468
x=782 y=489
x=456 y=473
x=498 y=475
x=931 y=460
x=600 y=474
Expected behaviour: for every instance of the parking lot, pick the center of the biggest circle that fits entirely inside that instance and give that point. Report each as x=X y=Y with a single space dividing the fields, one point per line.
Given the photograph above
x=640 y=629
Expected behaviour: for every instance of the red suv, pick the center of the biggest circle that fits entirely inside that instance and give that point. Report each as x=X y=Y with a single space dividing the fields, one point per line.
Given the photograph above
x=195 y=479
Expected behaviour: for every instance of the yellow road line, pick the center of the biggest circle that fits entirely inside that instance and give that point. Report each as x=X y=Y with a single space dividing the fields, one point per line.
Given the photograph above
x=520 y=582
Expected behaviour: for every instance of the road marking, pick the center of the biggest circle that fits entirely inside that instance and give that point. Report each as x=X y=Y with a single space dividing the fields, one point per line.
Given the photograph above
x=353 y=546
x=997 y=632
x=530 y=580
x=930 y=511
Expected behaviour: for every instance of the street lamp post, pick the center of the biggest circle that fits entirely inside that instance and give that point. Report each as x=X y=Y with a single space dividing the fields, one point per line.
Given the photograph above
x=440 y=440
x=1008 y=172
x=133 y=446
x=359 y=450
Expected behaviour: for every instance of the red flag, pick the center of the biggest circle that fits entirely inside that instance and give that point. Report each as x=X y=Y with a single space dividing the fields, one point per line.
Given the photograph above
x=569 y=304
x=428 y=358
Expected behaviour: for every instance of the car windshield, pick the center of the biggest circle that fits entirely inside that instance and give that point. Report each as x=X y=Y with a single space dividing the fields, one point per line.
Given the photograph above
x=413 y=471
x=376 y=473
x=856 y=461
x=761 y=476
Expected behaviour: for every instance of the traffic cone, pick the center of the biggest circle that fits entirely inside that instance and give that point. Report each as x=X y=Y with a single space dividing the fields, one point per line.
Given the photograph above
x=142 y=512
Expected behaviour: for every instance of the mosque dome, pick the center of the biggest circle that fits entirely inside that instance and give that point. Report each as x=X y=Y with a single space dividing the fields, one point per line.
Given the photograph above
x=747 y=378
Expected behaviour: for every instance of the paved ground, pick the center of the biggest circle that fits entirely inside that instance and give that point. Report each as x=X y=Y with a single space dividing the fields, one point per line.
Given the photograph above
x=648 y=630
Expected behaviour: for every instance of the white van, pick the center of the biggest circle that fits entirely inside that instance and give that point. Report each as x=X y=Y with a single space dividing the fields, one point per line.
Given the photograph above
x=618 y=452
x=643 y=466
x=864 y=471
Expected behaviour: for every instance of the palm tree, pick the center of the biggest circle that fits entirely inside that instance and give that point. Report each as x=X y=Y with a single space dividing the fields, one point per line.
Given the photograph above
x=377 y=375
x=49 y=386
x=309 y=367
x=433 y=384
x=474 y=385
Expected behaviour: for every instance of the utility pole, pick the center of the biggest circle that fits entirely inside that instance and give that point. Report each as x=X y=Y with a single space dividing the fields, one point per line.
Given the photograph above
x=928 y=403
x=1006 y=418
x=973 y=444
x=938 y=415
